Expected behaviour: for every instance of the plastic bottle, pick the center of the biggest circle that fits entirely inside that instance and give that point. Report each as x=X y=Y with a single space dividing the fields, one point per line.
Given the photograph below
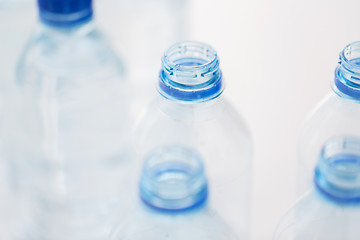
x=14 y=31
x=338 y=114
x=70 y=135
x=173 y=190
x=190 y=111
x=331 y=210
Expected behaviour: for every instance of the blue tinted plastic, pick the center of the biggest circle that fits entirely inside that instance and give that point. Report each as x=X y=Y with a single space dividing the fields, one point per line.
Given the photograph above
x=173 y=178
x=71 y=154
x=191 y=112
x=337 y=115
x=65 y=12
x=331 y=209
x=190 y=72
x=338 y=171
x=174 y=188
x=347 y=74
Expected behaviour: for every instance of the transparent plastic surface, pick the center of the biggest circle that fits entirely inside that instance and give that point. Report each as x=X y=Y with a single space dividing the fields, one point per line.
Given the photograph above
x=12 y=40
x=331 y=210
x=338 y=114
x=207 y=123
x=144 y=30
x=173 y=188
x=201 y=223
x=315 y=217
x=69 y=137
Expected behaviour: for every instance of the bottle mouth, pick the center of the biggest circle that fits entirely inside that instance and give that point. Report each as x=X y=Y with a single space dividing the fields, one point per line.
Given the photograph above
x=190 y=72
x=337 y=174
x=347 y=74
x=173 y=178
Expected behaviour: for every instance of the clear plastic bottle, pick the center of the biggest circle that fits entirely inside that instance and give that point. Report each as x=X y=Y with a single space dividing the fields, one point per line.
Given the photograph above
x=331 y=210
x=11 y=43
x=191 y=111
x=338 y=114
x=174 y=190
x=70 y=133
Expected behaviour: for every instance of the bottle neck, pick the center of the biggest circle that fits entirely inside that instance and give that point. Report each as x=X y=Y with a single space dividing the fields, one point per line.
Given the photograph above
x=173 y=179
x=192 y=111
x=190 y=73
x=80 y=29
x=337 y=175
x=65 y=13
x=347 y=75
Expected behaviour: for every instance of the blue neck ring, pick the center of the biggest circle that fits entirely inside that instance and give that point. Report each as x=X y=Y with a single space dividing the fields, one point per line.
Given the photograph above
x=190 y=72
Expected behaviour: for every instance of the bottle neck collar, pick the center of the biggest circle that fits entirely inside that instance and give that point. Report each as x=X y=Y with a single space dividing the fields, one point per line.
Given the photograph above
x=65 y=13
x=190 y=73
x=337 y=175
x=347 y=75
x=173 y=179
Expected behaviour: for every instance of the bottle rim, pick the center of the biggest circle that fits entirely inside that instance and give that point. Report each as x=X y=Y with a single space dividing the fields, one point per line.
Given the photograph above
x=173 y=179
x=337 y=174
x=347 y=75
x=190 y=72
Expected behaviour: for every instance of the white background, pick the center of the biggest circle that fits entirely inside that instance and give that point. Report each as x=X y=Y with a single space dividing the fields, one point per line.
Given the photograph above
x=278 y=58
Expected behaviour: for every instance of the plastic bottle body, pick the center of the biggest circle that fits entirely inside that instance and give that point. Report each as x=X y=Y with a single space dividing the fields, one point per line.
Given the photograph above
x=218 y=133
x=331 y=210
x=197 y=224
x=159 y=22
x=337 y=115
x=191 y=112
x=73 y=127
x=174 y=191
x=315 y=217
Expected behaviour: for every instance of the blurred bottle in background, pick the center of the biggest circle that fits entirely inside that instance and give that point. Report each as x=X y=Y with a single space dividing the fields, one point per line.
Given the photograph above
x=338 y=114
x=140 y=29
x=174 y=190
x=16 y=19
x=331 y=210
x=68 y=137
x=190 y=111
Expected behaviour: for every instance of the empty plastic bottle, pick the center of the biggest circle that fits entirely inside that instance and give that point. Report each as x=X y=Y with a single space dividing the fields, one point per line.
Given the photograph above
x=70 y=135
x=331 y=210
x=338 y=114
x=174 y=190
x=190 y=111
x=16 y=17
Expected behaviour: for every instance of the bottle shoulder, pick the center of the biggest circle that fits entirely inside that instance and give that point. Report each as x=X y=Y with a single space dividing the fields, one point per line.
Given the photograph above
x=315 y=216
x=219 y=115
x=67 y=53
x=335 y=106
x=146 y=223
x=331 y=117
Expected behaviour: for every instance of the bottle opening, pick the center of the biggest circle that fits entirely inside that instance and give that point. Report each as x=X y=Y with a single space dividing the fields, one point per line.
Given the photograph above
x=347 y=74
x=338 y=171
x=190 y=71
x=173 y=178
